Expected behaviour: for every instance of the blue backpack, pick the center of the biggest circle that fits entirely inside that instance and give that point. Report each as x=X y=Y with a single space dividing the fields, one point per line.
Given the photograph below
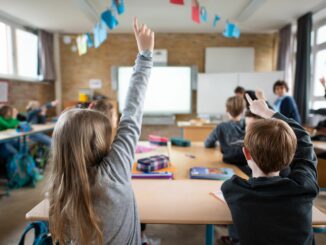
x=41 y=232
x=22 y=171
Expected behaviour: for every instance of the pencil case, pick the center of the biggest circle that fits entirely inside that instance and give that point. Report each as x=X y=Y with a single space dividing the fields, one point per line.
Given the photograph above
x=150 y=164
x=158 y=140
x=180 y=142
x=24 y=127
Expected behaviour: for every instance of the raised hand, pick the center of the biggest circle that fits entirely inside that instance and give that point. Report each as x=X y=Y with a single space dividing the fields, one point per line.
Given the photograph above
x=14 y=113
x=55 y=103
x=259 y=107
x=144 y=37
x=323 y=82
x=260 y=94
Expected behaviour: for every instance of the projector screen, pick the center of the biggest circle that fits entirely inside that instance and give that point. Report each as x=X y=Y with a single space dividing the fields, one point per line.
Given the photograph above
x=168 y=92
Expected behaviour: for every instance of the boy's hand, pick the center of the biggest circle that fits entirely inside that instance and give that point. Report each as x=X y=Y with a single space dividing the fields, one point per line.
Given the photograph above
x=14 y=113
x=323 y=82
x=259 y=107
x=55 y=103
x=260 y=94
x=144 y=37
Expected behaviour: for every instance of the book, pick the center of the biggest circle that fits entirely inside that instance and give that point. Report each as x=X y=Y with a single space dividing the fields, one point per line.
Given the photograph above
x=218 y=195
x=153 y=175
x=211 y=173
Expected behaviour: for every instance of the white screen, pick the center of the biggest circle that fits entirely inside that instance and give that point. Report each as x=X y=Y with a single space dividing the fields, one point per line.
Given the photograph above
x=168 y=92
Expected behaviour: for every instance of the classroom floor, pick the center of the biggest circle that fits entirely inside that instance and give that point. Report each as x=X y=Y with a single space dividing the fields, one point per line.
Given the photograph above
x=14 y=208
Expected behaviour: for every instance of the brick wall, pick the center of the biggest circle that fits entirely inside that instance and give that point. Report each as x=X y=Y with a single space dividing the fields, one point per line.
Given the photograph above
x=183 y=49
x=21 y=92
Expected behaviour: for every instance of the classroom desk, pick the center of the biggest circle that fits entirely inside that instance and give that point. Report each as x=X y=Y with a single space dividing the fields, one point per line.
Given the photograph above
x=179 y=157
x=195 y=132
x=180 y=201
x=320 y=146
x=37 y=128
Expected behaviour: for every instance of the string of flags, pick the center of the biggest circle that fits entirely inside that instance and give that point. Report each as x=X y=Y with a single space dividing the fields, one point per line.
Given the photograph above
x=199 y=15
x=108 y=19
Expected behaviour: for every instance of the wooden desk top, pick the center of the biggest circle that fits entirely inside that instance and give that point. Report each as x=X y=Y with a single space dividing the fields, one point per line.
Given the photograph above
x=203 y=158
x=321 y=145
x=37 y=128
x=175 y=202
x=182 y=124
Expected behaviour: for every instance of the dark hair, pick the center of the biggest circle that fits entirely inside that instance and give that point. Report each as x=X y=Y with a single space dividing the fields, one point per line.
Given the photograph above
x=104 y=106
x=5 y=109
x=239 y=90
x=280 y=83
x=248 y=113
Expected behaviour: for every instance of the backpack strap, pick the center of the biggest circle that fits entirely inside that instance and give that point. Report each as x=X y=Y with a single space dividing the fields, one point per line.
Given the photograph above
x=39 y=229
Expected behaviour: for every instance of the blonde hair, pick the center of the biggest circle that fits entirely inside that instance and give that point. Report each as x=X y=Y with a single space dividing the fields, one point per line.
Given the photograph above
x=235 y=105
x=271 y=143
x=80 y=142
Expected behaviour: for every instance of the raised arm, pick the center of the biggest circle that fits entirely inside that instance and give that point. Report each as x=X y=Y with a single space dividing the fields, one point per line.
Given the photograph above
x=122 y=152
x=304 y=163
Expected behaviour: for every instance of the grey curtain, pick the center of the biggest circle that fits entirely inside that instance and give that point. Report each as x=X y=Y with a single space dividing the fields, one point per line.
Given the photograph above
x=303 y=65
x=284 y=48
x=46 y=55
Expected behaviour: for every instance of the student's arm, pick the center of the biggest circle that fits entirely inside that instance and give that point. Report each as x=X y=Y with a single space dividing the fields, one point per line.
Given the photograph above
x=32 y=116
x=8 y=123
x=121 y=155
x=210 y=142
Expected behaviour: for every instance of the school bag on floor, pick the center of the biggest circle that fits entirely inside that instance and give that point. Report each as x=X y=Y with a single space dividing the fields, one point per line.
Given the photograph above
x=41 y=233
x=40 y=153
x=22 y=171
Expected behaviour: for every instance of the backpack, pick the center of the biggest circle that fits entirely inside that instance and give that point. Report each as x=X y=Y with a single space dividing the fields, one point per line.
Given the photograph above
x=22 y=171
x=40 y=153
x=41 y=233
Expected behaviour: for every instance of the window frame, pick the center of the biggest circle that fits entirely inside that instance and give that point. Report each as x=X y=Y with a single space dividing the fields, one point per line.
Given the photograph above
x=14 y=76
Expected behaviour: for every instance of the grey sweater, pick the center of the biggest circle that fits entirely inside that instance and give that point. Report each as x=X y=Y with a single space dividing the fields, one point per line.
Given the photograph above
x=115 y=202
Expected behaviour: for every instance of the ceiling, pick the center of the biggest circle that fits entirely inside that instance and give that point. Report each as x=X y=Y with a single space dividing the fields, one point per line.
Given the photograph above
x=77 y=16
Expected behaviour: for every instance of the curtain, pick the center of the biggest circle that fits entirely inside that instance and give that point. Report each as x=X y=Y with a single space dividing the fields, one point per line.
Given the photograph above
x=46 y=55
x=285 y=53
x=303 y=67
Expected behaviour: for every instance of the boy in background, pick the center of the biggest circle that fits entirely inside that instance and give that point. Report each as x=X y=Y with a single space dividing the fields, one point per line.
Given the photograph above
x=268 y=208
x=229 y=132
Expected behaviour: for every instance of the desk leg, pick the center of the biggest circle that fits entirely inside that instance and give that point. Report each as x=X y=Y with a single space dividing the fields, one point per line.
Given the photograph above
x=209 y=234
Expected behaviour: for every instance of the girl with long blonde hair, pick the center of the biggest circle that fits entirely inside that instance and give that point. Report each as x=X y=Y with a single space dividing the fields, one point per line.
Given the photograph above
x=91 y=197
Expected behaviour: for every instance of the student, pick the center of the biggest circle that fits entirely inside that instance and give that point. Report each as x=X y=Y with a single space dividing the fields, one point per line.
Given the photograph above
x=258 y=94
x=285 y=104
x=228 y=132
x=268 y=208
x=91 y=197
x=8 y=120
x=36 y=114
x=106 y=107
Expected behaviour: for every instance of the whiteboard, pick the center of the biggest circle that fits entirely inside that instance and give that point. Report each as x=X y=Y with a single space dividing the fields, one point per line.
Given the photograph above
x=168 y=92
x=214 y=89
x=261 y=80
x=225 y=60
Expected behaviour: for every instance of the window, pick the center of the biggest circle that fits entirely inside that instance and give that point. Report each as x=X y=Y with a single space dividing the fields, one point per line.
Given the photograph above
x=5 y=49
x=26 y=53
x=19 y=53
x=319 y=65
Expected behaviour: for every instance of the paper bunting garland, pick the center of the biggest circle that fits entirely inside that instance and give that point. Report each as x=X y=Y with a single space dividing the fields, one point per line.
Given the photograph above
x=109 y=18
x=199 y=14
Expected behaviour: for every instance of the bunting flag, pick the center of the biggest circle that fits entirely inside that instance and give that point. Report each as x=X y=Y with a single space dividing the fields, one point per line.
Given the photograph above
x=195 y=15
x=82 y=44
x=177 y=2
x=90 y=43
x=216 y=19
x=108 y=17
x=203 y=14
x=231 y=30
